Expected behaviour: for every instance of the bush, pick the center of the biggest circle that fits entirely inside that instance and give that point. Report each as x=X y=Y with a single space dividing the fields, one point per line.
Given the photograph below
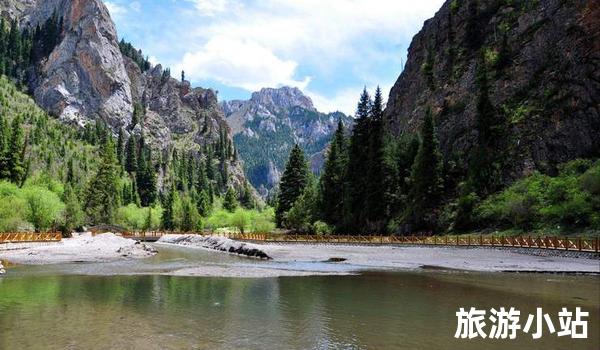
x=135 y=218
x=12 y=208
x=571 y=199
x=320 y=228
x=43 y=207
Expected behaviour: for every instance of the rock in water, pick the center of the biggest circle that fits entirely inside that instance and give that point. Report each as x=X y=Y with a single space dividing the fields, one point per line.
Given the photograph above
x=216 y=243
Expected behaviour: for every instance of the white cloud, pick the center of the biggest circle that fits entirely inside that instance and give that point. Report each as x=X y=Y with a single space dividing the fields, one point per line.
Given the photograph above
x=115 y=9
x=344 y=100
x=210 y=7
x=262 y=44
x=240 y=63
x=136 y=6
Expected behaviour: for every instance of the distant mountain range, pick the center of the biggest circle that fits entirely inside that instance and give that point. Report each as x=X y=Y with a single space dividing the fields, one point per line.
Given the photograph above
x=267 y=126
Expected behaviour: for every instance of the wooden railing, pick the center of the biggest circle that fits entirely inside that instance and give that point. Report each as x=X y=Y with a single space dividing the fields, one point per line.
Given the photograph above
x=25 y=237
x=554 y=243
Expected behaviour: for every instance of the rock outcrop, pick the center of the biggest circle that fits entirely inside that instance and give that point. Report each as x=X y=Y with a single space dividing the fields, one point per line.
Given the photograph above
x=87 y=78
x=268 y=125
x=543 y=60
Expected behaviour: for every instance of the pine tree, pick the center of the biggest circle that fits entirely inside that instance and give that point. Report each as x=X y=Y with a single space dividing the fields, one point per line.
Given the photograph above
x=358 y=163
x=246 y=199
x=73 y=213
x=230 y=202
x=168 y=217
x=375 y=198
x=333 y=186
x=120 y=148
x=485 y=163
x=203 y=204
x=102 y=194
x=148 y=222
x=15 y=152
x=189 y=215
x=146 y=179
x=131 y=155
x=293 y=182
x=426 y=177
x=4 y=142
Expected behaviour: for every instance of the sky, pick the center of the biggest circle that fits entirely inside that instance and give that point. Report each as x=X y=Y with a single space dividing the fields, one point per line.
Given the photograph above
x=330 y=49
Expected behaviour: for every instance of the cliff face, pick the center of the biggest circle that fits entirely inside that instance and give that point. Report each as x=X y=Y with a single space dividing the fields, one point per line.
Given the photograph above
x=543 y=63
x=268 y=125
x=87 y=78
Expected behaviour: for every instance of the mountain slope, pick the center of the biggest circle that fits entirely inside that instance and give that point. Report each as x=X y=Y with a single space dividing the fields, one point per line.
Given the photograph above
x=87 y=78
x=267 y=126
x=542 y=60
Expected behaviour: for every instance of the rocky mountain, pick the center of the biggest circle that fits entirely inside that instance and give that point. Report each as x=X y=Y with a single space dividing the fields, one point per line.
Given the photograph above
x=267 y=126
x=87 y=78
x=542 y=60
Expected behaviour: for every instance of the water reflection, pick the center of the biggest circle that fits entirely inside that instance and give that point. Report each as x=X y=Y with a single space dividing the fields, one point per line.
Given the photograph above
x=371 y=311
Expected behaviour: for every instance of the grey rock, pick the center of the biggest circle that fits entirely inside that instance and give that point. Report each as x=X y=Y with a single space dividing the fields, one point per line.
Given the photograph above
x=553 y=73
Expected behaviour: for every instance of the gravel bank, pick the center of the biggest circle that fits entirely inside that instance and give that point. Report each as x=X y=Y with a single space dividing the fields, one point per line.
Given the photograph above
x=82 y=248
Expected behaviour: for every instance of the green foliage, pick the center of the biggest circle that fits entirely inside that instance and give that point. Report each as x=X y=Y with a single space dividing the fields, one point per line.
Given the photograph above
x=136 y=55
x=12 y=208
x=136 y=218
x=230 y=202
x=303 y=212
x=426 y=177
x=293 y=182
x=102 y=197
x=43 y=207
x=333 y=186
x=252 y=220
x=570 y=199
x=74 y=216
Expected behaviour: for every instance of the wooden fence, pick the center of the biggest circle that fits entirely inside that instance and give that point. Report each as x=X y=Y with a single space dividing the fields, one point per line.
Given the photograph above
x=554 y=243
x=24 y=237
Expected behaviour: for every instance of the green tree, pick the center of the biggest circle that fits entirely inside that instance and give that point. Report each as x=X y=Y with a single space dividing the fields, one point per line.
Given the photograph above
x=230 y=202
x=189 y=215
x=304 y=210
x=168 y=217
x=121 y=147
x=16 y=151
x=426 y=177
x=203 y=204
x=293 y=182
x=73 y=216
x=376 y=208
x=131 y=155
x=146 y=179
x=358 y=163
x=485 y=170
x=333 y=186
x=102 y=194
x=43 y=207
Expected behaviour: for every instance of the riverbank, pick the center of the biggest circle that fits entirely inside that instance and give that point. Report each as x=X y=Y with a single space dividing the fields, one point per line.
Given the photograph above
x=357 y=258
x=81 y=248
x=221 y=257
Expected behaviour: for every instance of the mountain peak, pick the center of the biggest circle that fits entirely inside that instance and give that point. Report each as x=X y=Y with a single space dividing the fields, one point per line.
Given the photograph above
x=282 y=98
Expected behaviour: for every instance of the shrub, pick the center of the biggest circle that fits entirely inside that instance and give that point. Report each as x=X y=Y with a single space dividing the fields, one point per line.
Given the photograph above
x=321 y=228
x=43 y=207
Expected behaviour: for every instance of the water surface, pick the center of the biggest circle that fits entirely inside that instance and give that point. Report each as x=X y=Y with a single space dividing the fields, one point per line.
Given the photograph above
x=59 y=308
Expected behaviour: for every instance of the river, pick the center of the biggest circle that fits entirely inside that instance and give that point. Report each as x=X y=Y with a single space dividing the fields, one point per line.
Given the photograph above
x=81 y=306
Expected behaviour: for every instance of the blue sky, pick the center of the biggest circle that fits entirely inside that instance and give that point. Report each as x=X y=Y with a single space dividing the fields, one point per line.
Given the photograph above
x=328 y=48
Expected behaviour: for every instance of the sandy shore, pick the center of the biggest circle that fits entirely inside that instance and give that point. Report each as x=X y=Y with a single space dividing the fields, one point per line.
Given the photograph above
x=82 y=248
x=304 y=259
x=210 y=257
x=475 y=259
